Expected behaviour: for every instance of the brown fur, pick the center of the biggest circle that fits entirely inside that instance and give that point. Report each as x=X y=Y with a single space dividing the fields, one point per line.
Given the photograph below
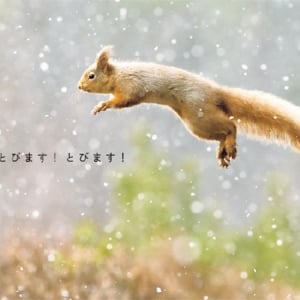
x=208 y=110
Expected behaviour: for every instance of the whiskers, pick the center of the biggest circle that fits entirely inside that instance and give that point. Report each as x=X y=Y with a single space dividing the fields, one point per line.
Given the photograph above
x=75 y=97
x=82 y=103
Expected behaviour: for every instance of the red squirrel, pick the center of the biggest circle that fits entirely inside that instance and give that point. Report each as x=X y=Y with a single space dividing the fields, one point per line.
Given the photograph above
x=209 y=110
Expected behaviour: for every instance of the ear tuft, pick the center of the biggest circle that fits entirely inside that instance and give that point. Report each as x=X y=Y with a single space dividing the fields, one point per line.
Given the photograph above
x=103 y=58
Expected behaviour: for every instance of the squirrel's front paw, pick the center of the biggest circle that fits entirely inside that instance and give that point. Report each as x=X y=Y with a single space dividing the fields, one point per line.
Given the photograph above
x=100 y=107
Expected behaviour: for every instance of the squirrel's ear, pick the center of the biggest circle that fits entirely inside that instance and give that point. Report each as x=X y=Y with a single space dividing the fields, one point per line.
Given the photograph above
x=103 y=58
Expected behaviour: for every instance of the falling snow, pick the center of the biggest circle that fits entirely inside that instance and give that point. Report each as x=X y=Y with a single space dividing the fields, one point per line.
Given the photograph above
x=247 y=45
x=44 y=66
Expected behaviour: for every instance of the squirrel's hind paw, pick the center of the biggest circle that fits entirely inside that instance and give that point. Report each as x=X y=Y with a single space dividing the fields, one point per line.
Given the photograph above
x=226 y=152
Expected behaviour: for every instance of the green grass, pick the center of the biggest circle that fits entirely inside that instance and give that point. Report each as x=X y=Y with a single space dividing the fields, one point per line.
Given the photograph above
x=157 y=201
x=163 y=242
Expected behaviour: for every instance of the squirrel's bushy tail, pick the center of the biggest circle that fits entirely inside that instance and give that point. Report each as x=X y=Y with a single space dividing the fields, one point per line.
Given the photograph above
x=264 y=115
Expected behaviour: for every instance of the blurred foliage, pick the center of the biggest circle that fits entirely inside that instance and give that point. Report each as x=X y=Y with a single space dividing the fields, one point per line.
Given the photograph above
x=156 y=200
x=271 y=248
x=153 y=196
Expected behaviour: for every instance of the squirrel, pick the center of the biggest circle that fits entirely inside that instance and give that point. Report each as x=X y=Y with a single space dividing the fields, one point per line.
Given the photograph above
x=210 y=111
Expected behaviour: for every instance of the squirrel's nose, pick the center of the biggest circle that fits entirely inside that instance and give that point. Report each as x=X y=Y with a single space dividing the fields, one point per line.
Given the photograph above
x=79 y=86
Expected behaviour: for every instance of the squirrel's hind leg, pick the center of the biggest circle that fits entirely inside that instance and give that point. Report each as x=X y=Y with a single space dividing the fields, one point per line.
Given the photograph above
x=219 y=128
x=227 y=150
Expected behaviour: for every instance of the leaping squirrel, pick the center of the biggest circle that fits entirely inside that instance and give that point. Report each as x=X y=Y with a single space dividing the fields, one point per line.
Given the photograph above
x=209 y=110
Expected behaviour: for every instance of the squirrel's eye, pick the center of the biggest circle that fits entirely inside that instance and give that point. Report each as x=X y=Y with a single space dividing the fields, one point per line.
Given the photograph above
x=91 y=75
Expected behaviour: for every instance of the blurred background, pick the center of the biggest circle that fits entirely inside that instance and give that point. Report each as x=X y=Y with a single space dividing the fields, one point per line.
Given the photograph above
x=46 y=46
